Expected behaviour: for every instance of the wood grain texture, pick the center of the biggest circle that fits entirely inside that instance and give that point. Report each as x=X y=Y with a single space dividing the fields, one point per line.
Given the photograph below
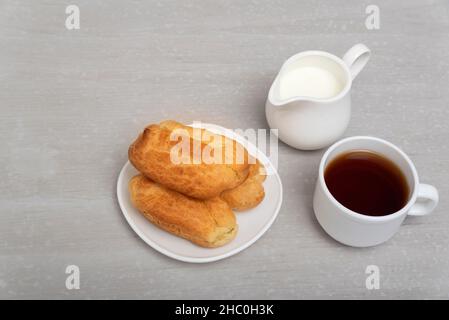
x=72 y=101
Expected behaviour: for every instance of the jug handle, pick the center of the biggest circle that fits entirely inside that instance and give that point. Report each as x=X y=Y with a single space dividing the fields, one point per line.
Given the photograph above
x=356 y=58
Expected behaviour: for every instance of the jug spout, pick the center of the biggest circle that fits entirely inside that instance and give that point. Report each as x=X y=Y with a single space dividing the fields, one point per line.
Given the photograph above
x=276 y=100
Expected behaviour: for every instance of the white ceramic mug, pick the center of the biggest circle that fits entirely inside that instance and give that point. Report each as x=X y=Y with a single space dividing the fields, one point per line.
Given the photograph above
x=358 y=230
x=310 y=122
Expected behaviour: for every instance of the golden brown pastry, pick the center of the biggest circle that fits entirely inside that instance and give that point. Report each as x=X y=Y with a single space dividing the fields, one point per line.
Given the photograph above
x=153 y=151
x=250 y=193
x=208 y=223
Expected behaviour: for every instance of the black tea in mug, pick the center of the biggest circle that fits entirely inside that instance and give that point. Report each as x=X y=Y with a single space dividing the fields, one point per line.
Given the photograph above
x=367 y=183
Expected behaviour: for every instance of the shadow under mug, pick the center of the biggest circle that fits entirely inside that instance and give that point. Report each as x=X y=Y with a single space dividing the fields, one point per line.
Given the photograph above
x=358 y=230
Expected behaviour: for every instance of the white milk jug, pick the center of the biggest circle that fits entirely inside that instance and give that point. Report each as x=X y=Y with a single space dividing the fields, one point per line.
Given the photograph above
x=309 y=102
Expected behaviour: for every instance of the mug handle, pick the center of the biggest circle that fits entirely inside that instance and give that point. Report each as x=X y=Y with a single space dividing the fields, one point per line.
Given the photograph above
x=356 y=58
x=427 y=200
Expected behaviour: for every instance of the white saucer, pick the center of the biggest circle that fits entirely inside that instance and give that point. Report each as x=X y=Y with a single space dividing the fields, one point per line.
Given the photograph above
x=252 y=223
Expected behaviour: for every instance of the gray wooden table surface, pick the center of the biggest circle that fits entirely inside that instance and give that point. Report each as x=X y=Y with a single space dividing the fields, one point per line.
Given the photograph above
x=72 y=101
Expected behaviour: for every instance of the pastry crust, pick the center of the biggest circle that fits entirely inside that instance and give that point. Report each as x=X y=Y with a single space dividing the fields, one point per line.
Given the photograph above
x=250 y=193
x=208 y=223
x=151 y=155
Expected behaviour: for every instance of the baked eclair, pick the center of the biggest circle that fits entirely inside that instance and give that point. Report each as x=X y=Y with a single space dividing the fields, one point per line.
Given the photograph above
x=174 y=155
x=207 y=223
